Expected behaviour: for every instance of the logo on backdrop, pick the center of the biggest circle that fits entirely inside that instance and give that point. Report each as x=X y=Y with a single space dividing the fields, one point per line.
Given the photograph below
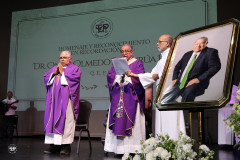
x=102 y=27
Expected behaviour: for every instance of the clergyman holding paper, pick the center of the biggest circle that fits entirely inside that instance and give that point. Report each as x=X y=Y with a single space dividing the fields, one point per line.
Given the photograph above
x=126 y=120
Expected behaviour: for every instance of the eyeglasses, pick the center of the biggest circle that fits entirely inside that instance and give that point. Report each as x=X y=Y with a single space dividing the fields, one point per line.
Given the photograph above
x=122 y=51
x=161 y=41
x=64 y=57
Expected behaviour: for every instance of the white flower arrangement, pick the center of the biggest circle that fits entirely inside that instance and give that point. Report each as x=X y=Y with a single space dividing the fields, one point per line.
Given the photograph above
x=205 y=152
x=204 y=148
x=164 y=148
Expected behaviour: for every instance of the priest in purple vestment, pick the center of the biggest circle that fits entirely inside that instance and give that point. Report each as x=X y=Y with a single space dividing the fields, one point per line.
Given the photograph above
x=62 y=103
x=126 y=120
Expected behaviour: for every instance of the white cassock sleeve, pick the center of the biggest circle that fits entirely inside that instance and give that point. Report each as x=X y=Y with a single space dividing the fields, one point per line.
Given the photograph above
x=146 y=78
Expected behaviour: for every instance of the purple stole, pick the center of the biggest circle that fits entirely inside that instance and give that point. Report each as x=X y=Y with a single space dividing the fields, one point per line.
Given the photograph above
x=124 y=100
x=58 y=96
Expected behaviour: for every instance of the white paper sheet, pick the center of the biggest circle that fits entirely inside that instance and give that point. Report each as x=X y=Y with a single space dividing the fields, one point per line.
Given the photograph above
x=120 y=65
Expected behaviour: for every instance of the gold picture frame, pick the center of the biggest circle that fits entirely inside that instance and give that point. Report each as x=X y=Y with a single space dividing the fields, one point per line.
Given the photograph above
x=223 y=37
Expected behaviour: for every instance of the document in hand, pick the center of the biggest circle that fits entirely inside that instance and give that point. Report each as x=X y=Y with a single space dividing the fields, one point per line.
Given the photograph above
x=120 y=65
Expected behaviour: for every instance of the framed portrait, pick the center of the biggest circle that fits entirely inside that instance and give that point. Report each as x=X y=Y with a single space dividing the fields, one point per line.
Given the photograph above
x=199 y=68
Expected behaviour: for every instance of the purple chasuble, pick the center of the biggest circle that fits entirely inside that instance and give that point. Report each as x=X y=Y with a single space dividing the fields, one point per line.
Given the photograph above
x=58 y=96
x=124 y=100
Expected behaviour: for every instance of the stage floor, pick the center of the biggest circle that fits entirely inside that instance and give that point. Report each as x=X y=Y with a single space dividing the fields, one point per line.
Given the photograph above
x=31 y=148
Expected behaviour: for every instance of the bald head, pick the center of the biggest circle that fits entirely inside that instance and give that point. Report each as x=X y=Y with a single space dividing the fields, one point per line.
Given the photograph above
x=167 y=37
x=164 y=42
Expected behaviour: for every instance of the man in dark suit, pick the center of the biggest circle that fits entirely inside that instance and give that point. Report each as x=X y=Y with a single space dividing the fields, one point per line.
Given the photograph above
x=193 y=72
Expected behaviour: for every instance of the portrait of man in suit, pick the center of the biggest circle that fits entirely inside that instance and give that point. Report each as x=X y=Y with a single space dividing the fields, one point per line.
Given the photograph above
x=192 y=73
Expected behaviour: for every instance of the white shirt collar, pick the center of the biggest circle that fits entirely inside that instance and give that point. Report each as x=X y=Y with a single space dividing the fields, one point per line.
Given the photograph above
x=198 y=53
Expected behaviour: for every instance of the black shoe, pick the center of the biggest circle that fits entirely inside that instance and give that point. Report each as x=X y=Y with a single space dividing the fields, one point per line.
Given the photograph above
x=52 y=149
x=65 y=149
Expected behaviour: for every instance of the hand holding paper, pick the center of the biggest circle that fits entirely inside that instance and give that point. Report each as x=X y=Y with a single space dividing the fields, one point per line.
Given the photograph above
x=130 y=74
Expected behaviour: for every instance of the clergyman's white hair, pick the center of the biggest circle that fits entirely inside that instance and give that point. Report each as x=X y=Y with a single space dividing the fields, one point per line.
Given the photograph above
x=67 y=52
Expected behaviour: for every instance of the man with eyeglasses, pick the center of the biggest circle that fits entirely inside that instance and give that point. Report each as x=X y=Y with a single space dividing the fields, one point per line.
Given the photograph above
x=126 y=120
x=62 y=104
x=171 y=122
